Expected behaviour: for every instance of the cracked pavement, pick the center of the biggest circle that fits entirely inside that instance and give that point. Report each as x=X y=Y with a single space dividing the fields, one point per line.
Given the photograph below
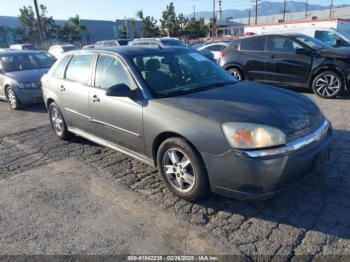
x=311 y=219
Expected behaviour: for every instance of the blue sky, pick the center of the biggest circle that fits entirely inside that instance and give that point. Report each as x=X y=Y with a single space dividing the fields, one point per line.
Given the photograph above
x=113 y=9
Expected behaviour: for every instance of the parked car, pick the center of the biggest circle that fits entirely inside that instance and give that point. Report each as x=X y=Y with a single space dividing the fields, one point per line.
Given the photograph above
x=88 y=47
x=25 y=47
x=20 y=74
x=168 y=42
x=114 y=42
x=175 y=109
x=58 y=50
x=290 y=60
x=217 y=48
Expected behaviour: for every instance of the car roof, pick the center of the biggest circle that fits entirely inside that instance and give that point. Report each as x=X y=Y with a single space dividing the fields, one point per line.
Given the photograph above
x=132 y=50
x=15 y=51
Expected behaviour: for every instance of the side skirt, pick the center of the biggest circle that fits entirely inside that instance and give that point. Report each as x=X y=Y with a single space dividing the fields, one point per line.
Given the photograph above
x=105 y=143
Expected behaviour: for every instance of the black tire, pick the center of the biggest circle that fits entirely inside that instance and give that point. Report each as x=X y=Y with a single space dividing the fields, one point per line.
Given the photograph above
x=237 y=73
x=200 y=187
x=328 y=90
x=12 y=99
x=62 y=133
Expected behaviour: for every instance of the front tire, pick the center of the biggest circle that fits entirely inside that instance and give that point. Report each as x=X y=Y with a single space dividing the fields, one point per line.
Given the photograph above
x=328 y=84
x=11 y=96
x=182 y=169
x=58 y=123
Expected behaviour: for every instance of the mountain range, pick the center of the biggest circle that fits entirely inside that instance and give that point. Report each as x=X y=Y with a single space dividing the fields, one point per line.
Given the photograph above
x=266 y=8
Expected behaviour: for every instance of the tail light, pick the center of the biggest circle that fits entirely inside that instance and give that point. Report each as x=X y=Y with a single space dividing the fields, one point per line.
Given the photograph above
x=222 y=53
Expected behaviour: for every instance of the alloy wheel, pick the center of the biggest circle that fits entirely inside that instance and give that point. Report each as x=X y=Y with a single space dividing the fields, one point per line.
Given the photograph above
x=328 y=85
x=12 y=98
x=57 y=121
x=178 y=170
x=236 y=74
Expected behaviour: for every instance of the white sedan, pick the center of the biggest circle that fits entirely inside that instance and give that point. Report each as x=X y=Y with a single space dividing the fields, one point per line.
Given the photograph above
x=216 y=48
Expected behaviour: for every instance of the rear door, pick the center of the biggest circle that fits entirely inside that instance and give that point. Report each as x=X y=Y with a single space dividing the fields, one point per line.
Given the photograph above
x=289 y=68
x=116 y=119
x=74 y=91
x=253 y=55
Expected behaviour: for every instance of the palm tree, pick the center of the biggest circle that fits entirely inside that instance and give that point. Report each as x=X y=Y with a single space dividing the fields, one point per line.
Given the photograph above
x=76 y=24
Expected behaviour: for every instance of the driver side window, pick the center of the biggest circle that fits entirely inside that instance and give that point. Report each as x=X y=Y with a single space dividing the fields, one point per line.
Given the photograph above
x=110 y=72
x=284 y=45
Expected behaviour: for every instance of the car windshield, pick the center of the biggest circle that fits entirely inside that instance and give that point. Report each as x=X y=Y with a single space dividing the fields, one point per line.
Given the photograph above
x=68 y=48
x=28 y=61
x=173 y=42
x=312 y=42
x=182 y=72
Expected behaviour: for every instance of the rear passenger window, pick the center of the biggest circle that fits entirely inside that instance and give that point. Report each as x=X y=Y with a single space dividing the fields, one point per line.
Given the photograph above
x=79 y=69
x=253 y=44
x=59 y=71
x=216 y=48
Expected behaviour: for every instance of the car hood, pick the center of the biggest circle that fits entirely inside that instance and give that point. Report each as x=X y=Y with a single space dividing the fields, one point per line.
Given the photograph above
x=293 y=113
x=27 y=76
x=342 y=52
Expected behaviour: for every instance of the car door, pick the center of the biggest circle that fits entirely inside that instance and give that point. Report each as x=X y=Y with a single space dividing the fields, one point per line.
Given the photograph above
x=289 y=67
x=74 y=91
x=252 y=54
x=2 y=81
x=116 y=119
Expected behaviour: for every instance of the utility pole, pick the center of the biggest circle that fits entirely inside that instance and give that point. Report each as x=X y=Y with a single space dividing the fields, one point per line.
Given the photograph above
x=331 y=10
x=40 y=29
x=249 y=17
x=284 y=10
x=194 y=12
x=214 y=21
x=220 y=10
x=306 y=7
x=255 y=4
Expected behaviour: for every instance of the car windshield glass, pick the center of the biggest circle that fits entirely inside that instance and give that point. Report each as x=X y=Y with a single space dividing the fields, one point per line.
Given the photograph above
x=68 y=48
x=173 y=42
x=19 y=62
x=312 y=42
x=182 y=72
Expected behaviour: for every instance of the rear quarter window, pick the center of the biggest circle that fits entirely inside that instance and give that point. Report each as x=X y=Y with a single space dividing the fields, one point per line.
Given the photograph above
x=253 y=44
x=58 y=72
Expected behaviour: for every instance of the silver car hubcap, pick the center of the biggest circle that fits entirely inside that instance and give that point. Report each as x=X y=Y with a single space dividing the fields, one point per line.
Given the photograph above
x=12 y=98
x=57 y=121
x=236 y=74
x=328 y=85
x=178 y=170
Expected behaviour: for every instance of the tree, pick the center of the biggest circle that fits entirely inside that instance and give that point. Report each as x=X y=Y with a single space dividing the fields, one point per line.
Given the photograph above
x=133 y=26
x=170 y=25
x=123 y=29
x=149 y=25
x=76 y=27
x=196 y=28
x=5 y=34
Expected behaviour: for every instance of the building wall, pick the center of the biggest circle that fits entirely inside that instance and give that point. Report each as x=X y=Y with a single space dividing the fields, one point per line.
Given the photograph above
x=97 y=30
x=337 y=13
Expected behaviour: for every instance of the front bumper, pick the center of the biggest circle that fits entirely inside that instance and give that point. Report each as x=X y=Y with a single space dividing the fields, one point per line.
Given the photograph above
x=29 y=95
x=246 y=177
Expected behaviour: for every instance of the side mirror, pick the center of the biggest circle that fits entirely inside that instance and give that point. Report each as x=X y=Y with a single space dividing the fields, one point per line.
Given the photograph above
x=120 y=90
x=302 y=51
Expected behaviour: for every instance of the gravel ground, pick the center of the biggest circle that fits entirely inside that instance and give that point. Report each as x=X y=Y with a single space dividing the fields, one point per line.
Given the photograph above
x=310 y=219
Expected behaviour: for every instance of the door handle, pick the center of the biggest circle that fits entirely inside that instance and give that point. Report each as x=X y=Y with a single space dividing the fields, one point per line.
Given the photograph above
x=62 y=88
x=95 y=99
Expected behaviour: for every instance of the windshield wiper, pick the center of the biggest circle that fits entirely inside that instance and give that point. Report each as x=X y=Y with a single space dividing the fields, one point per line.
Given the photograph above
x=198 y=89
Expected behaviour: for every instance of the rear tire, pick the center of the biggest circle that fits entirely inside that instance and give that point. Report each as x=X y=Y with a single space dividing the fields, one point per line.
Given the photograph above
x=182 y=169
x=236 y=73
x=11 y=97
x=328 y=84
x=58 y=123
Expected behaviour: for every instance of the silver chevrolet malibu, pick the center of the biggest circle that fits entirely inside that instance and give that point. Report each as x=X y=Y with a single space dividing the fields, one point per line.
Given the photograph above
x=174 y=109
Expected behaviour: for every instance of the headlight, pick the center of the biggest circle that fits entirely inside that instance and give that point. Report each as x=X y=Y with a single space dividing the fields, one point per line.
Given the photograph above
x=28 y=85
x=252 y=136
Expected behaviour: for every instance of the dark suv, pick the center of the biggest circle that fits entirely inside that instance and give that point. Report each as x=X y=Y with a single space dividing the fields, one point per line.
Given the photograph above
x=290 y=60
